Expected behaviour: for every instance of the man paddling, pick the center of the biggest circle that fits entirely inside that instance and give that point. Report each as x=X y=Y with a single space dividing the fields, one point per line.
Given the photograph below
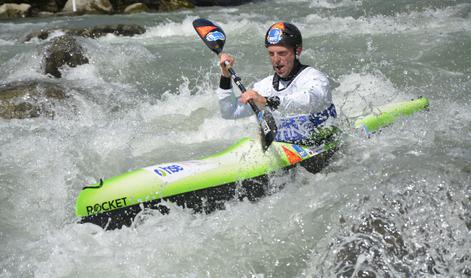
x=298 y=95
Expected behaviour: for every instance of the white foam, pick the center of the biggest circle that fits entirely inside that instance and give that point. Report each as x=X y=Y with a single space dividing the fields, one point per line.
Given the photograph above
x=85 y=72
x=6 y=42
x=171 y=29
x=359 y=93
x=186 y=118
x=333 y=4
x=24 y=66
x=413 y=22
x=232 y=24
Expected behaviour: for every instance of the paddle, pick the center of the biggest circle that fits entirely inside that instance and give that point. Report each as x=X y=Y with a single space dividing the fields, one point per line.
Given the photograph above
x=214 y=37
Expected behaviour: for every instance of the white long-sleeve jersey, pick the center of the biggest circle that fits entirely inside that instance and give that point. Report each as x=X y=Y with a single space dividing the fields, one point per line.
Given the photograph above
x=305 y=102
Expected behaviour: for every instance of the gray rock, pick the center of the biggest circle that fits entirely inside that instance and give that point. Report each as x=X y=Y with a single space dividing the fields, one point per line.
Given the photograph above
x=93 y=32
x=99 y=31
x=89 y=6
x=20 y=100
x=136 y=8
x=120 y=5
x=39 y=5
x=63 y=50
x=14 y=10
x=42 y=34
x=45 y=14
x=172 y=5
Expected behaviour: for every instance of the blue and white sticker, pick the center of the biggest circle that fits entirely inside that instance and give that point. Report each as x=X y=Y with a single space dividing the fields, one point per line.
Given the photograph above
x=274 y=36
x=163 y=171
x=316 y=151
x=260 y=115
x=300 y=151
x=171 y=172
x=265 y=127
x=214 y=36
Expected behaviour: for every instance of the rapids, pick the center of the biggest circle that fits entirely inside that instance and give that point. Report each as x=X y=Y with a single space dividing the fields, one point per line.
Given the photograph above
x=395 y=205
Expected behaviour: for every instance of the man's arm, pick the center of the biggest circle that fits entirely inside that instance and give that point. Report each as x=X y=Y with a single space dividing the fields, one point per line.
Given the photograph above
x=229 y=105
x=232 y=107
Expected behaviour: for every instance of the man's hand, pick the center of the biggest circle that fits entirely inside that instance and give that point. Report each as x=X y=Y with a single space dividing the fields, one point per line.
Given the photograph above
x=222 y=59
x=253 y=95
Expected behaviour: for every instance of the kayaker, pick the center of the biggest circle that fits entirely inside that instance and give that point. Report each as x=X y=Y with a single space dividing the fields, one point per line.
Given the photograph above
x=298 y=95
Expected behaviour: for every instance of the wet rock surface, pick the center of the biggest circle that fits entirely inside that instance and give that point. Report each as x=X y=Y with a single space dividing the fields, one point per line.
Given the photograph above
x=172 y=5
x=63 y=50
x=9 y=10
x=65 y=7
x=30 y=99
x=89 y=6
x=39 y=5
x=136 y=8
x=395 y=237
x=92 y=32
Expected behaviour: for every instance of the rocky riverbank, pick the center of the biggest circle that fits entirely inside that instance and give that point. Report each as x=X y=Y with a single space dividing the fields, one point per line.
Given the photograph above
x=30 y=99
x=32 y=8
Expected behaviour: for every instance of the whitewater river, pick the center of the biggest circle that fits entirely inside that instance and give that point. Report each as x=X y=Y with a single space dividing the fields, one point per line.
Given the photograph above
x=395 y=205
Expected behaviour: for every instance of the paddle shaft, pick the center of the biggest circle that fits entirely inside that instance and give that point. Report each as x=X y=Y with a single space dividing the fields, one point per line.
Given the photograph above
x=241 y=86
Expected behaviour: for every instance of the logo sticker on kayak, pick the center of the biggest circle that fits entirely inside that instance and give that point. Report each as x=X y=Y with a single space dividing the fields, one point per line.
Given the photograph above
x=175 y=171
x=168 y=170
x=107 y=206
x=300 y=151
x=292 y=157
x=316 y=151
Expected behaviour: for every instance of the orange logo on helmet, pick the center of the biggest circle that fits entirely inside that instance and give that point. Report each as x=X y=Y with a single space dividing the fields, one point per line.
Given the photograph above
x=278 y=25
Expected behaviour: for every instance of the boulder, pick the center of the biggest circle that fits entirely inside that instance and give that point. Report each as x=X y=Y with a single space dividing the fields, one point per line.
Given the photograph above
x=121 y=5
x=63 y=50
x=15 y=10
x=88 y=6
x=136 y=8
x=39 y=5
x=93 y=32
x=45 y=14
x=29 y=99
x=172 y=5
x=102 y=30
x=41 y=34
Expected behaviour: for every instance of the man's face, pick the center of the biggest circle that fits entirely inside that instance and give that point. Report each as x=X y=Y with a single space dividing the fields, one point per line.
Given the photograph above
x=282 y=59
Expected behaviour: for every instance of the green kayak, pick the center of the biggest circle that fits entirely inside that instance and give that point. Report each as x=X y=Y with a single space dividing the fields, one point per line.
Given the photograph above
x=241 y=171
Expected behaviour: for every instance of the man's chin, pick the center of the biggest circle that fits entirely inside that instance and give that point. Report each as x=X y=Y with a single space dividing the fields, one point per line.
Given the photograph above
x=281 y=73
